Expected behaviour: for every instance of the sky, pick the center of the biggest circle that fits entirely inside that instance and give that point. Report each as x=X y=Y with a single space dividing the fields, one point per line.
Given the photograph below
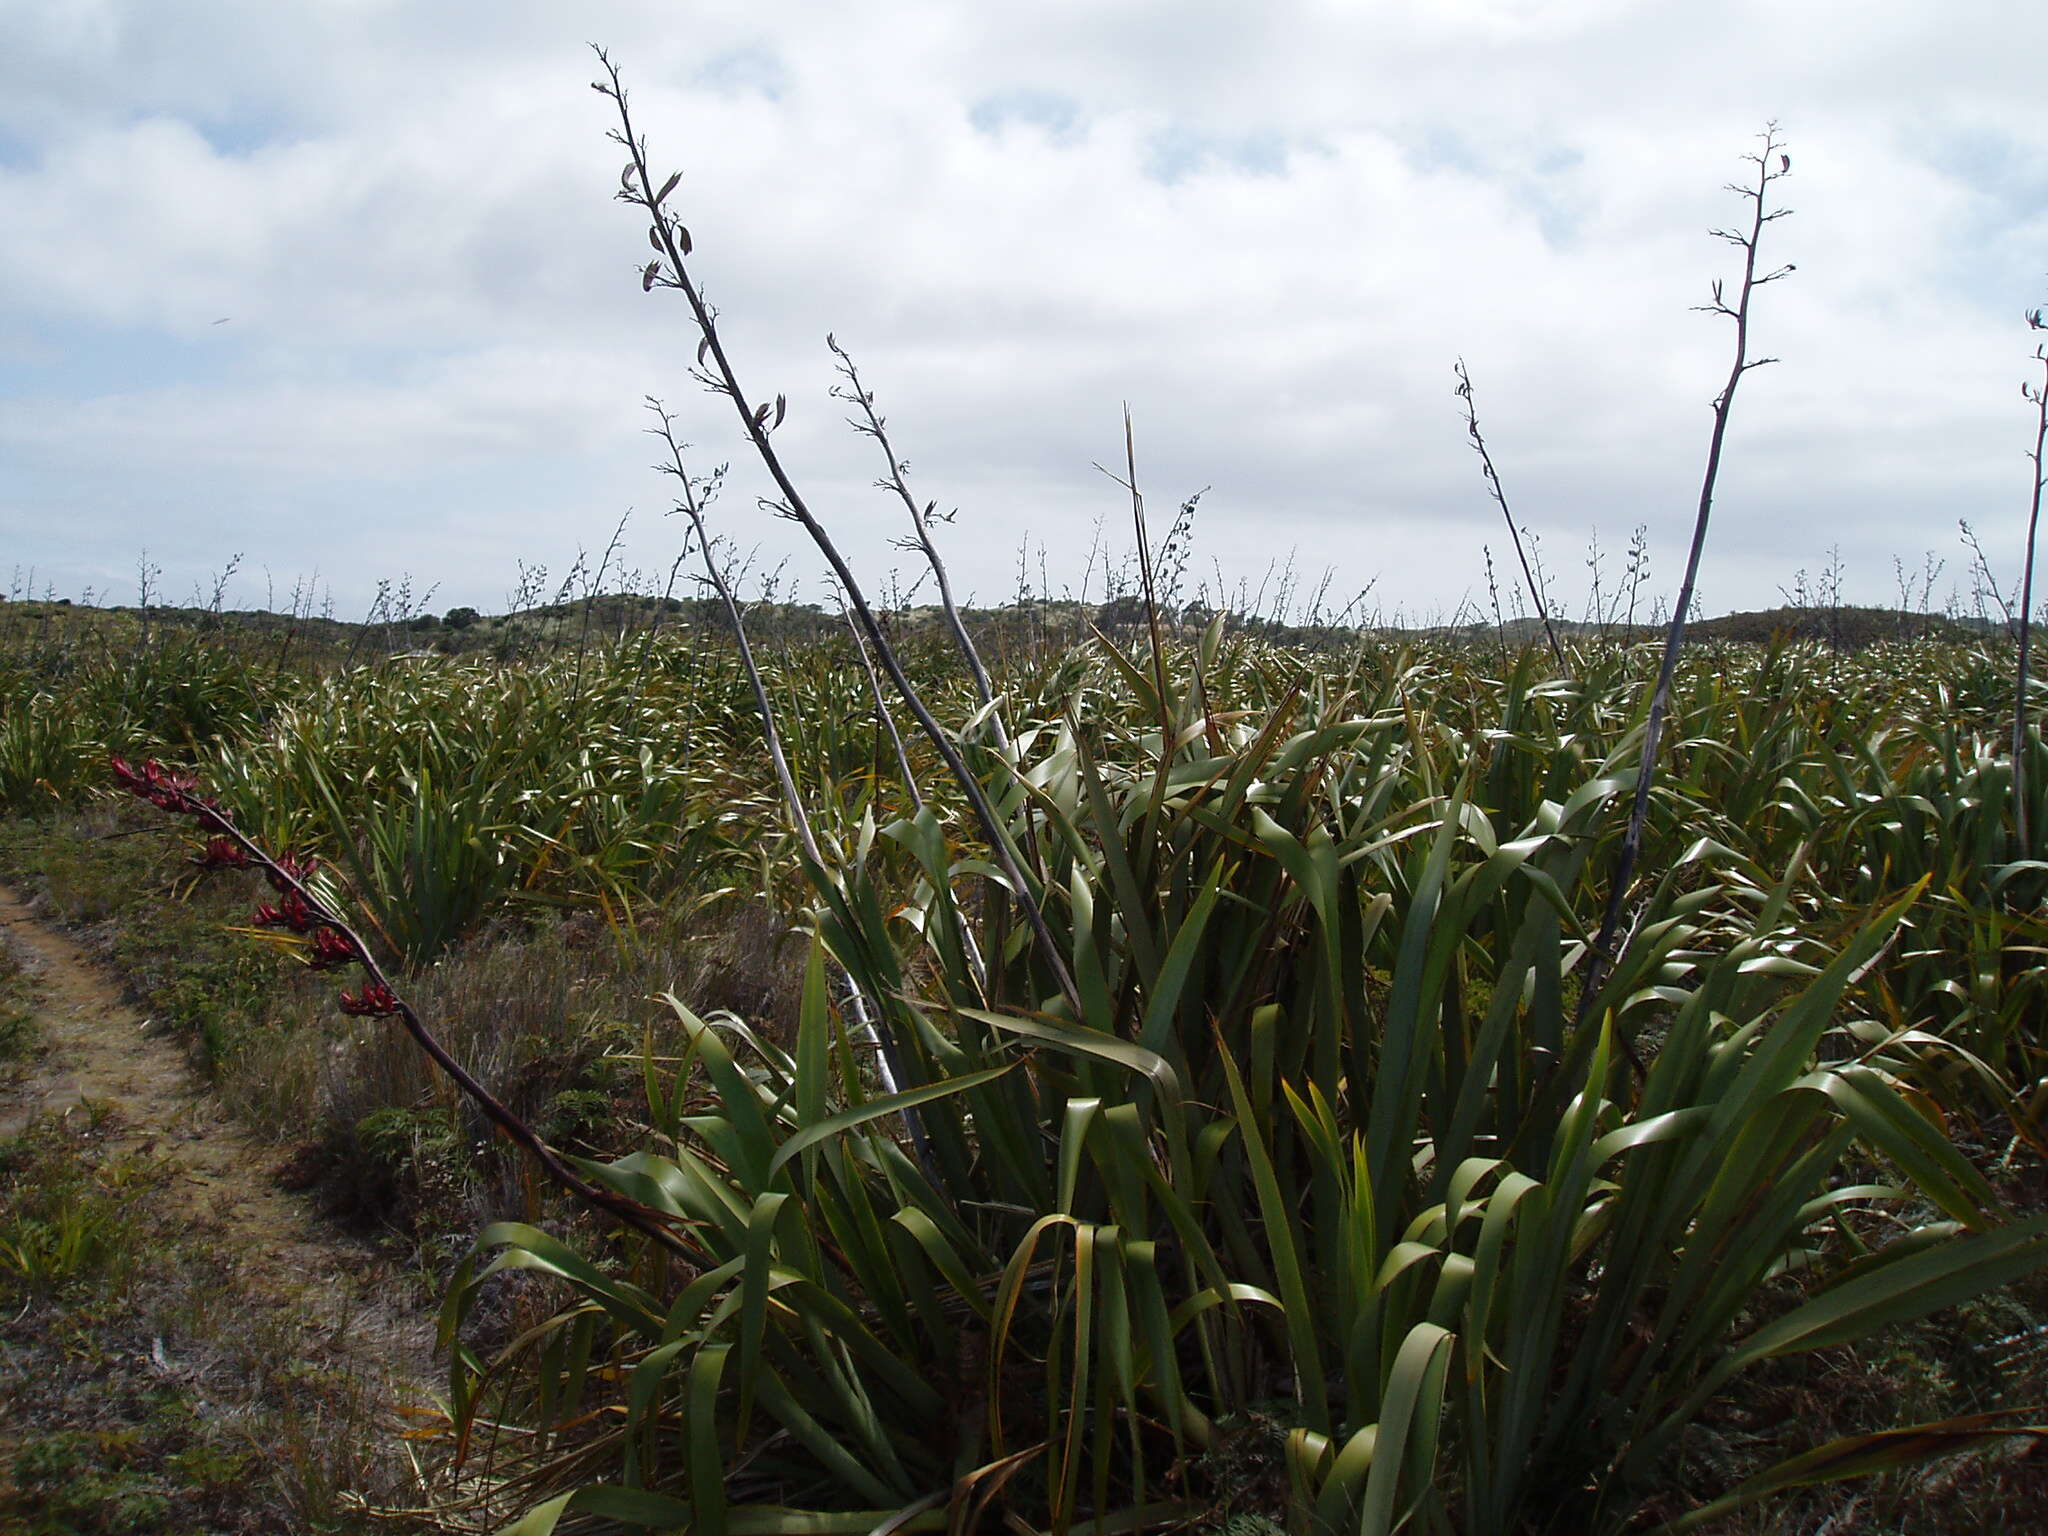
x=336 y=292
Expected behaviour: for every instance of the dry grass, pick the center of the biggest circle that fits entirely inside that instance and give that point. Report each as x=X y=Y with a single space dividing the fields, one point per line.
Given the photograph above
x=145 y=1384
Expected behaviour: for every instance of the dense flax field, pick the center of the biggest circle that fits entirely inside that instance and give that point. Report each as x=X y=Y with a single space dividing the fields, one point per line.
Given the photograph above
x=1274 y=1157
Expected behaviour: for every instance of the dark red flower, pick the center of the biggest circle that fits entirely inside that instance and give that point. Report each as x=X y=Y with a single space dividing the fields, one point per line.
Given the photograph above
x=375 y=1001
x=292 y=913
x=330 y=951
x=165 y=788
x=292 y=866
x=221 y=853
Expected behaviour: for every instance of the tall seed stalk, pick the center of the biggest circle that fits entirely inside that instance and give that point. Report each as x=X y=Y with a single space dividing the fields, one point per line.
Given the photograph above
x=714 y=369
x=1500 y=496
x=921 y=520
x=1147 y=585
x=1674 y=634
x=2038 y=394
x=693 y=507
x=885 y=723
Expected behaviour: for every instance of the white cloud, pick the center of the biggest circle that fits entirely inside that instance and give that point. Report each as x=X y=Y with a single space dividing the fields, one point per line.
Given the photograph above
x=1271 y=229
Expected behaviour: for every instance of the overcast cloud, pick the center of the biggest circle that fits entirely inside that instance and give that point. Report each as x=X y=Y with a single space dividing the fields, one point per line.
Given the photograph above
x=1270 y=228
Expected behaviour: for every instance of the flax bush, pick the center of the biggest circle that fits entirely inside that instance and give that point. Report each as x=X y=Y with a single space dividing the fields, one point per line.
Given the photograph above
x=1332 y=1142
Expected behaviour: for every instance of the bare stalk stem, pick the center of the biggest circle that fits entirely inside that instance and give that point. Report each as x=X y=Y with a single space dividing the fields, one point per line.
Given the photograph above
x=1602 y=956
x=2038 y=394
x=1500 y=496
x=921 y=519
x=692 y=505
x=715 y=370
x=882 y=715
x=1129 y=481
x=1151 y=587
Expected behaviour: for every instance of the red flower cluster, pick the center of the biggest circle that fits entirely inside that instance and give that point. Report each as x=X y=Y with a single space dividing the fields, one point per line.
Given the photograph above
x=154 y=782
x=330 y=951
x=293 y=912
x=167 y=790
x=221 y=853
x=375 y=1001
x=292 y=866
x=178 y=793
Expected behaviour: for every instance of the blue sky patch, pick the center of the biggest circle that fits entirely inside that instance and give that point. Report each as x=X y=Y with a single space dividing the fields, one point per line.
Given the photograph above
x=81 y=362
x=1179 y=153
x=741 y=71
x=1057 y=114
x=1991 y=253
x=238 y=133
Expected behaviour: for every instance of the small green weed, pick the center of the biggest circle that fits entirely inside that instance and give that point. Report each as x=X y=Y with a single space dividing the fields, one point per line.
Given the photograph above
x=398 y=1138
x=19 y=1036
x=80 y=1481
x=69 y=1216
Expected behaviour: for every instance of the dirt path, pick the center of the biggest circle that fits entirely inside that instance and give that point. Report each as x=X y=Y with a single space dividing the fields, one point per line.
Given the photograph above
x=350 y=1310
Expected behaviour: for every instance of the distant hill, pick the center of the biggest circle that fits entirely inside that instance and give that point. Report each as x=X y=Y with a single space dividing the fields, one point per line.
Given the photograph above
x=611 y=617
x=1849 y=628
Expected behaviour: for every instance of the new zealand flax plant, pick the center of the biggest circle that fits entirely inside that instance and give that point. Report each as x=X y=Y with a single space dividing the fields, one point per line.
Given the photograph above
x=1126 y=1244
x=1255 y=1131
x=1323 y=1148
x=1275 y=1085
